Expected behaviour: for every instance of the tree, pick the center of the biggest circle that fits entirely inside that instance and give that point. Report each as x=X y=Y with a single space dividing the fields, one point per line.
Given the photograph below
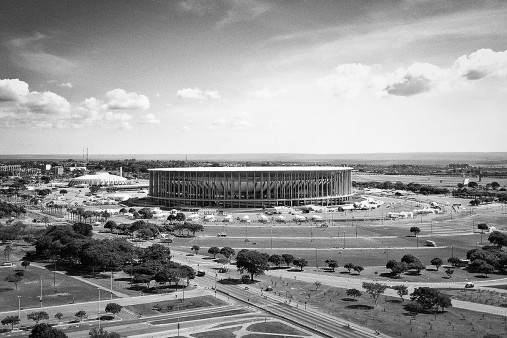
x=397 y=267
x=275 y=259
x=214 y=251
x=300 y=262
x=113 y=308
x=252 y=262
x=80 y=315
x=355 y=293
x=38 y=316
x=7 y=252
x=44 y=330
x=195 y=248
x=454 y=261
x=25 y=264
x=473 y=185
x=495 y=185
x=481 y=266
x=10 y=320
x=416 y=231
x=449 y=272
x=63 y=191
x=59 y=316
x=349 y=266
x=288 y=258
x=375 y=290
x=227 y=252
x=358 y=269
x=401 y=290
x=429 y=298
x=416 y=265
x=437 y=262
x=101 y=333
x=110 y=225
x=498 y=238
x=83 y=229
x=14 y=278
x=333 y=264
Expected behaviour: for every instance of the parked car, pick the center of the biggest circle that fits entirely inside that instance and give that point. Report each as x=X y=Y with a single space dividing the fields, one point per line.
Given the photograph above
x=469 y=285
x=8 y=264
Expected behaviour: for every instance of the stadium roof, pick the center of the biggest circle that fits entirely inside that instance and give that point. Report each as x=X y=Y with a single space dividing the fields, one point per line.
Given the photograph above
x=235 y=169
x=98 y=179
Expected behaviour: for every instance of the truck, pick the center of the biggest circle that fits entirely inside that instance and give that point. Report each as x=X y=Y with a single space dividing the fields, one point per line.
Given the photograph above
x=200 y=273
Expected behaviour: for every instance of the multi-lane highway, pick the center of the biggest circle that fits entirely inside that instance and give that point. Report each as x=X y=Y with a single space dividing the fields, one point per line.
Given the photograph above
x=318 y=322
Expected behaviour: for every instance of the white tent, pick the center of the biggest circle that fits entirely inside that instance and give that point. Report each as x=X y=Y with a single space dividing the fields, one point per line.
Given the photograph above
x=299 y=218
x=317 y=218
x=264 y=219
x=228 y=218
x=280 y=219
x=245 y=218
x=209 y=218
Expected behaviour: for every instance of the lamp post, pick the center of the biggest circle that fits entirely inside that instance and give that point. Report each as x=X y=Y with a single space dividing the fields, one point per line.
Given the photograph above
x=40 y=291
x=111 y=284
x=19 y=310
x=316 y=262
x=98 y=309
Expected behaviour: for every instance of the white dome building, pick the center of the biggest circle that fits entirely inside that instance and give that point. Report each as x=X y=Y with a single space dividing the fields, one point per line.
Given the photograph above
x=105 y=179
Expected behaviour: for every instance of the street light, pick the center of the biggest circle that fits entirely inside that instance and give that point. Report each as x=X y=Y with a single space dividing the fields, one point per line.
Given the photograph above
x=19 y=310
x=98 y=309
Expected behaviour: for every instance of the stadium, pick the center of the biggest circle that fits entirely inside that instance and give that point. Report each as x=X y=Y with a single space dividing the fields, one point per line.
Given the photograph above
x=250 y=187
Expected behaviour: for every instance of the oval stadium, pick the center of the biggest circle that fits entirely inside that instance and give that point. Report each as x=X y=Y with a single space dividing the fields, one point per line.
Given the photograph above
x=250 y=187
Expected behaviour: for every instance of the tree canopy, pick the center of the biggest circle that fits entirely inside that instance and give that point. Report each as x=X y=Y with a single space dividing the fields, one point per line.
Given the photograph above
x=253 y=262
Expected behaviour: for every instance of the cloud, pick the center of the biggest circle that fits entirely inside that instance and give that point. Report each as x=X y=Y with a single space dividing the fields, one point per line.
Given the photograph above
x=243 y=10
x=266 y=93
x=185 y=129
x=238 y=121
x=355 y=79
x=229 y=11
x=197 y=94
x=65 y=85
x=12 y=89
x=120 y=99
x=482 y=63
x=30 y=52
x=150 y=119
x=49 y=110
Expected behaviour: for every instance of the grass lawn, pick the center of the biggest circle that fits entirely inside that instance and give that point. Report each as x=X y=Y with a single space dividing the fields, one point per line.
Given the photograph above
x=65 y=290
x=152 y=309
x=275 y=327
x=223 y=333
x=486 y=297
x=390 y=316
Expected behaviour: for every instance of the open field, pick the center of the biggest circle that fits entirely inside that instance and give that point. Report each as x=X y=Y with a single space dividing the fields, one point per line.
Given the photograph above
x=153 y=309
x=61 y=290
x=389 y=316
x=445 y=181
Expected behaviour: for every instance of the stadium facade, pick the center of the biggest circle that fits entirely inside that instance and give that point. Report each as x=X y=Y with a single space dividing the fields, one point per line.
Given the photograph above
x=250 y=187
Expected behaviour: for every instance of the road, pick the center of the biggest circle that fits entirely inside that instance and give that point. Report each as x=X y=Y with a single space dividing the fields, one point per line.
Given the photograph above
x=311 y=319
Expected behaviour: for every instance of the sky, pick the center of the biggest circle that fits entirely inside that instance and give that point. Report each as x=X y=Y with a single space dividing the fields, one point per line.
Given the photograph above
x=252 y=76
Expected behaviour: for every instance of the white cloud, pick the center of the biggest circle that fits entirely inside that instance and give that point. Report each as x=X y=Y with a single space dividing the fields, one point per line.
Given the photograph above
x=65 y=85
x=198 y=94
x=120 y=99
x=351 y=80
x=12 y=89
x=229 y=11
x=238 y=121
x=50 y=110
x=150 y=119
x=266 y=93
x=185 y=129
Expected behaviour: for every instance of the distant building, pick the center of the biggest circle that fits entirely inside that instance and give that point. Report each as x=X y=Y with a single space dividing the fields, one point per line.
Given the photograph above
x=44 y=167
x=459 y=166
x=57 y=170
x=250 y=187
x=13 y=167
